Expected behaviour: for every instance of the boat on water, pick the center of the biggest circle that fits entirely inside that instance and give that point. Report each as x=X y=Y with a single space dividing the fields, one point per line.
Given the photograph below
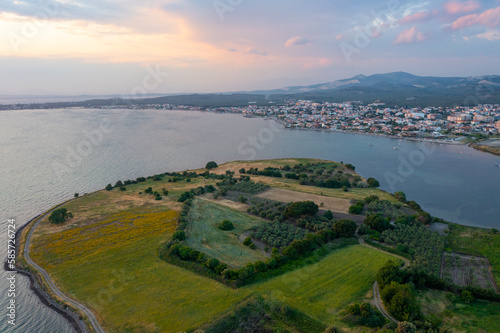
x=395 y=148
x=370 y=144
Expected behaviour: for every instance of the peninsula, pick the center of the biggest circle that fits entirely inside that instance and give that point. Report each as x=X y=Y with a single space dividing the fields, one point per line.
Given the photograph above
x=288 y=245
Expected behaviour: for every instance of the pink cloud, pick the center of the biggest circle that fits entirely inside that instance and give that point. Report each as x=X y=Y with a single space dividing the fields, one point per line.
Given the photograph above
x=490 y=19
x=411 y=35
x=418 y=17
x=459 y=7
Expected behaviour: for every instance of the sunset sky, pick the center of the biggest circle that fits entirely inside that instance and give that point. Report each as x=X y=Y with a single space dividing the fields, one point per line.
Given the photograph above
x=107 y=46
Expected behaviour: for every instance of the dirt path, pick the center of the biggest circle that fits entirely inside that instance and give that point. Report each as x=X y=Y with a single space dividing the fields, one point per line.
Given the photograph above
x=90 y=315
x=376 y=290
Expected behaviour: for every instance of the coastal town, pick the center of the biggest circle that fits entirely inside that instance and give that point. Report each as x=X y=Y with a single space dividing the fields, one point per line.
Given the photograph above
x=376 y=118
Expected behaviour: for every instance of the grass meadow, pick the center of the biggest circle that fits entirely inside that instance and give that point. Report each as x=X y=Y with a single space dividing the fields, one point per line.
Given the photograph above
x=204 y=235
x=321 y=290
x=106 y=257
x=477 y=317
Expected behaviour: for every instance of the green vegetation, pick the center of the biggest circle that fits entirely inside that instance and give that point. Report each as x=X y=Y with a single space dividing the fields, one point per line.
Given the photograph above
x=310 y=289
x=211 y=165
x=248 y=186
x=260 y=315
x=363 y=314
x=345 y=228
x=300 y=208
x=60 y=215
x=226 y=225
x=477 y=242
x=203 y=233
x=315 y=276
x=279 y=234
x=425 y=246
x=458 y=315
x=400 y=301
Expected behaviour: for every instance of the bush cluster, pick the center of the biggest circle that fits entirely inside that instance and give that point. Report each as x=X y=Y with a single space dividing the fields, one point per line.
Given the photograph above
x=279 y=234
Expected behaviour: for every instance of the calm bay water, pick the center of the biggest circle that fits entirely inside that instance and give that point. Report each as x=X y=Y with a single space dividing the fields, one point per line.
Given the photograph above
x=47 y=155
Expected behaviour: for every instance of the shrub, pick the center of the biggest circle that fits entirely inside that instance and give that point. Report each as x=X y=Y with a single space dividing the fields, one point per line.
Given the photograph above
x=60 y=216
x=179 y=235
x=372 y=182
x=247 y=241
x=226 y=225
x=77 y=195
x=377 y=222
x=213 y=263
x=252 y=246
x=400 y=196
x=466 y=296
x=328 y=214
x=109 y=187
x=357 y=208
x=165 y=191
x=123 y=188
x=345 y=228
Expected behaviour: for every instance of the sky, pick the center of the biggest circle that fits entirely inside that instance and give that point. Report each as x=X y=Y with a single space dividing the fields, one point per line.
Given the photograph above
x=69 y=47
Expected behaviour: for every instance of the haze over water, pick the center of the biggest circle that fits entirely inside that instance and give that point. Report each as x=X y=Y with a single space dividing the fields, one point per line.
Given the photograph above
x=456 y=183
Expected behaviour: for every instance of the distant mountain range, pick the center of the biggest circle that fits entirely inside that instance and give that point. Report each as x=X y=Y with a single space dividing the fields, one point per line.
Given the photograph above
x=398 y=88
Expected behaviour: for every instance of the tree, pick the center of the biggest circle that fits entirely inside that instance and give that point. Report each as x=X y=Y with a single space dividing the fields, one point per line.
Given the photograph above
x=226 y=225
x=372 y=182
x=77 y=195
x=179 y=235
x=400 y=196
x=213 y=263
x=242 y=170
x=388 y=273
x=377 y=222
x=299 y=208
x=119 y=183
x=357 y=208
x=109 y=187
x=165 y=191
x=400 y=301
x=345 y=228
x=211 y=165
x=328 y=215
x=60 y=216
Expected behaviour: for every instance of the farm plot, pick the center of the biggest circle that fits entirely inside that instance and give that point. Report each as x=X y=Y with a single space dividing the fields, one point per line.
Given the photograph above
x=333 y=204
x=204 y=235
x=466 y=271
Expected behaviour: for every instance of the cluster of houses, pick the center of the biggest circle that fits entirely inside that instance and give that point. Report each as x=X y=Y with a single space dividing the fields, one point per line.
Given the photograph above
x=432 y=122
x=437 y=122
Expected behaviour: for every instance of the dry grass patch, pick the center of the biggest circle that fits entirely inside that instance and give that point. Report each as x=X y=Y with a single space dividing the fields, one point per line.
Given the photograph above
x=331 y=203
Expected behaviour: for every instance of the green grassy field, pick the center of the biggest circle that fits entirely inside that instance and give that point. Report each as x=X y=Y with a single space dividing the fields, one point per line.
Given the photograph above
x=204 y=235
x=106 y=257
x=478 y=316
x=322 y=289
x=479 y=242
x=113 y=268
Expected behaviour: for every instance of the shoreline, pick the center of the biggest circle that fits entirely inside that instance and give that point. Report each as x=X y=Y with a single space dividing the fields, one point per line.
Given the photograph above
x=72 y=317
x=429 y=140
